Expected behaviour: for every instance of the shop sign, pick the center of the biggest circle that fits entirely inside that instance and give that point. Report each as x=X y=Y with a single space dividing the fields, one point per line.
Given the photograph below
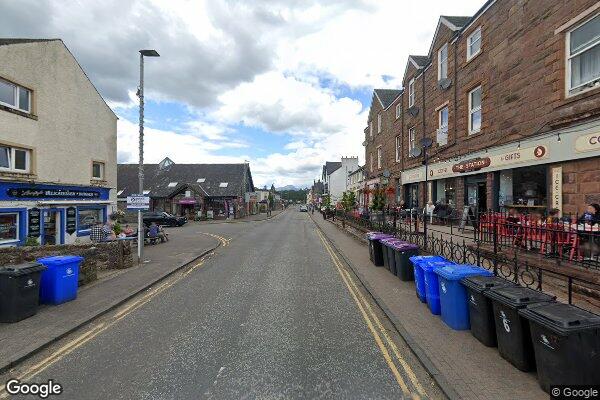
x=556 y=189
x=71 y=220
x=412 y=176
x=34 y=193
x=474 y=164
x=138 y=202
x=33 y=222
x=589 y=142
x=521 y=155
x=436 y=171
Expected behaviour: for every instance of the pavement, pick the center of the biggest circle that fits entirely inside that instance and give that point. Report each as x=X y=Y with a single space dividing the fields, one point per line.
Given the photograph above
x=25 y=338
x=272 y=313
x=463 y=367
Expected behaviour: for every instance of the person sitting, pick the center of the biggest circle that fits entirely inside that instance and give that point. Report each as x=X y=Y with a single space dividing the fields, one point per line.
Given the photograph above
x=97 y=233
x=162 y=235
x=589 y=240
x=153 y=233
x=591 y=215
x=109 y=233
x=553 y=217
x=128 y=231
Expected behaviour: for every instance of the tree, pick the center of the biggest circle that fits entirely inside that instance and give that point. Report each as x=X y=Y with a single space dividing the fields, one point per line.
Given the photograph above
x=348 y=201
x=326 y=203
x=378 y=200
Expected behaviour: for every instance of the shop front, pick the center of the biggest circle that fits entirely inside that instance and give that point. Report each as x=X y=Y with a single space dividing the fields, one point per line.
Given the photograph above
x=50 y=214
x=555 y=170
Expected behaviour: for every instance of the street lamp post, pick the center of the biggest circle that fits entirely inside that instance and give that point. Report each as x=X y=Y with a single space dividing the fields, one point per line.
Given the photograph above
x=143 y=53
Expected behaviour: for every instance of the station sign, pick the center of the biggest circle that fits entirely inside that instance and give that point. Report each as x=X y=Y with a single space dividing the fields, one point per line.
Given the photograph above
x=138 y=202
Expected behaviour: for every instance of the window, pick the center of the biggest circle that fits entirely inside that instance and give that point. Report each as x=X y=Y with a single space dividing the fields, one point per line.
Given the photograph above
x=583 y=49
x=97 y=170
x=474 y=44
x=371 y=164
x=146 y=192
x=371 y=128
x=442 y=137
x=443 y=62
x=412 y=139
x=15 y=96
x=9 y=227
x=172 y=184
x=398 y=110
x=223 y=184
x=411 y=93
x=120 y=192
x=398 y=148
x=378 y=123
x=88 y=217
x=475 y=110
x=200 y=180
x=13 y=159
x=379 y=157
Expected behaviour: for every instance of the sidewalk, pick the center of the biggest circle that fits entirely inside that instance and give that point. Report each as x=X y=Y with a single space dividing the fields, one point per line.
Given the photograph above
x=462 y=366
x=248 y=218
x=25 y=338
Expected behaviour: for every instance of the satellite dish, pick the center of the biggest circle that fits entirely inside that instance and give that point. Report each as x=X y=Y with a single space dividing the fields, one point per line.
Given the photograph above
x=416 y=152
x=386 y=173
x=426 y=142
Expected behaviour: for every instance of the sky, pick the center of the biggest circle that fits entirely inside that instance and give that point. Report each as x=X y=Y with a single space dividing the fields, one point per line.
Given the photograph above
x=283 y=84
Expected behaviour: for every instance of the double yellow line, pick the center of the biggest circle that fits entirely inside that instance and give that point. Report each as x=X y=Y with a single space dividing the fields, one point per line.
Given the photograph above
x=377 y=329
x=82 y=339
x=224 y=241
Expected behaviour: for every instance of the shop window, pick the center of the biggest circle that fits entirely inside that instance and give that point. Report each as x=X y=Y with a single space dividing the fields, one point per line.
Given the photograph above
x=523 y=187
x=474 y=44
x=13 y=159
x=446 y=191
x=88 y=217
x=443 y=62
x=583 y=62
x=9 y=227
x=98 y=170
x=15 y=96
x=475 y=110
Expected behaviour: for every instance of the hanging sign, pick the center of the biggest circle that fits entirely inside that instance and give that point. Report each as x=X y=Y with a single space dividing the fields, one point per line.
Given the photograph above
x=138 y=202
x=71 y=220
x=33 y=222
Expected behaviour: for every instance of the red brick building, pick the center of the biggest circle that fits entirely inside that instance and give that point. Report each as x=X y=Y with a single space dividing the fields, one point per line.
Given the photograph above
x=511 y=100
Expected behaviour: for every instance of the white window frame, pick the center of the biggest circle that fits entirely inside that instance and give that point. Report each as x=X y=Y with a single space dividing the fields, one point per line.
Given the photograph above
x=570 y=90
x=3 y=241
x=102 y=170
x=470 y=42
x=17 y=94
x=440 y=126
x=398 y=110
x=379 y=123
x=379 y=156
x=411 y=92
x=445 y=61
x=473 y=111
x=398 y=148
x=11 y=160
x=412 y=139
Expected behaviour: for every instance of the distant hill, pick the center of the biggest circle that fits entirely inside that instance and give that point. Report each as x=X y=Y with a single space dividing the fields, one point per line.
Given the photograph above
x=288 y=187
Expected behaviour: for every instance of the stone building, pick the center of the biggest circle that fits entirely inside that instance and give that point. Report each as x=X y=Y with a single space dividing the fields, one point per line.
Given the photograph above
x=58 y=146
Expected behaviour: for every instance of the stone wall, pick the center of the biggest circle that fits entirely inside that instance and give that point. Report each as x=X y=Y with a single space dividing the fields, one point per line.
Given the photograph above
x=96 y=256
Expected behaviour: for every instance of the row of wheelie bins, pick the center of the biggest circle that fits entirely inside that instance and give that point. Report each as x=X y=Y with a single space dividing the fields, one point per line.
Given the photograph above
x=531 y=329
x=49 y=280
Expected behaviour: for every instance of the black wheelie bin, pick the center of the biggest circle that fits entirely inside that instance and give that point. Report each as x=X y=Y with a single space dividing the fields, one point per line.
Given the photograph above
x=19 y=291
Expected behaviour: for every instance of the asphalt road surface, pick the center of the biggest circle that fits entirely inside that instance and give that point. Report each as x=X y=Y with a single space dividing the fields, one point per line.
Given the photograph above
x=273 y=313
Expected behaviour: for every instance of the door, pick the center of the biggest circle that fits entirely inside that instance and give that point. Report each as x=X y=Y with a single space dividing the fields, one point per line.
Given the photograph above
x=51 y=227
x=477 y=197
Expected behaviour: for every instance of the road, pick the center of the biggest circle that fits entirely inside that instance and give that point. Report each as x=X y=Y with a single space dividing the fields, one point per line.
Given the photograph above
x=273 y=313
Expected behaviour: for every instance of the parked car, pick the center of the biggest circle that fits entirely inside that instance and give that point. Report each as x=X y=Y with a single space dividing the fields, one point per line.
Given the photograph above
x=163 y=218
x=303 y=208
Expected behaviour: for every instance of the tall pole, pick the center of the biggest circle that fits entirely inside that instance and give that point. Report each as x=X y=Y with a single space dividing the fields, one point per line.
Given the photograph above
x=426 y=198
x=141 y=160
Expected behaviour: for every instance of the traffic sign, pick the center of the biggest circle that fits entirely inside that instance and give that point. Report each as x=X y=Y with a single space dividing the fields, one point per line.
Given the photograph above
x=138 y=202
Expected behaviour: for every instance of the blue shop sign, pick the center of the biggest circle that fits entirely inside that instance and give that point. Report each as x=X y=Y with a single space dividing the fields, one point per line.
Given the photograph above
x=27 y=191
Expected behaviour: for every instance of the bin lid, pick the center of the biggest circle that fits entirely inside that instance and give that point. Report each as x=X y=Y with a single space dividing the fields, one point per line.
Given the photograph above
x=480 y=283
x=456 y=272
x=561 y=318
x=422 y=259
x=405 y=246
x=433 y=265
x=21 y=269
x=371 y=233
x=59 y=260
x=518 y=296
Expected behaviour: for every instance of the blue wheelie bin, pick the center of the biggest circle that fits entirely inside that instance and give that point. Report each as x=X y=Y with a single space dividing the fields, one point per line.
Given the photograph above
x=432 y=287
x=60 y=280
x=419 y=276
x=454 y=304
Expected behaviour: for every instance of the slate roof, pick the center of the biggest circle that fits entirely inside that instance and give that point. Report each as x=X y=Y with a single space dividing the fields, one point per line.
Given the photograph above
x=7 y=41
x=457 y=21
x=186 y=175
x=387 y=96
x=331 y=166
x=422 y=61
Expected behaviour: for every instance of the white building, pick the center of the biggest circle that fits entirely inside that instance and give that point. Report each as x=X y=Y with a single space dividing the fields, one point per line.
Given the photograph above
x=356 y=183
x=335 y=176
x=58 y=146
